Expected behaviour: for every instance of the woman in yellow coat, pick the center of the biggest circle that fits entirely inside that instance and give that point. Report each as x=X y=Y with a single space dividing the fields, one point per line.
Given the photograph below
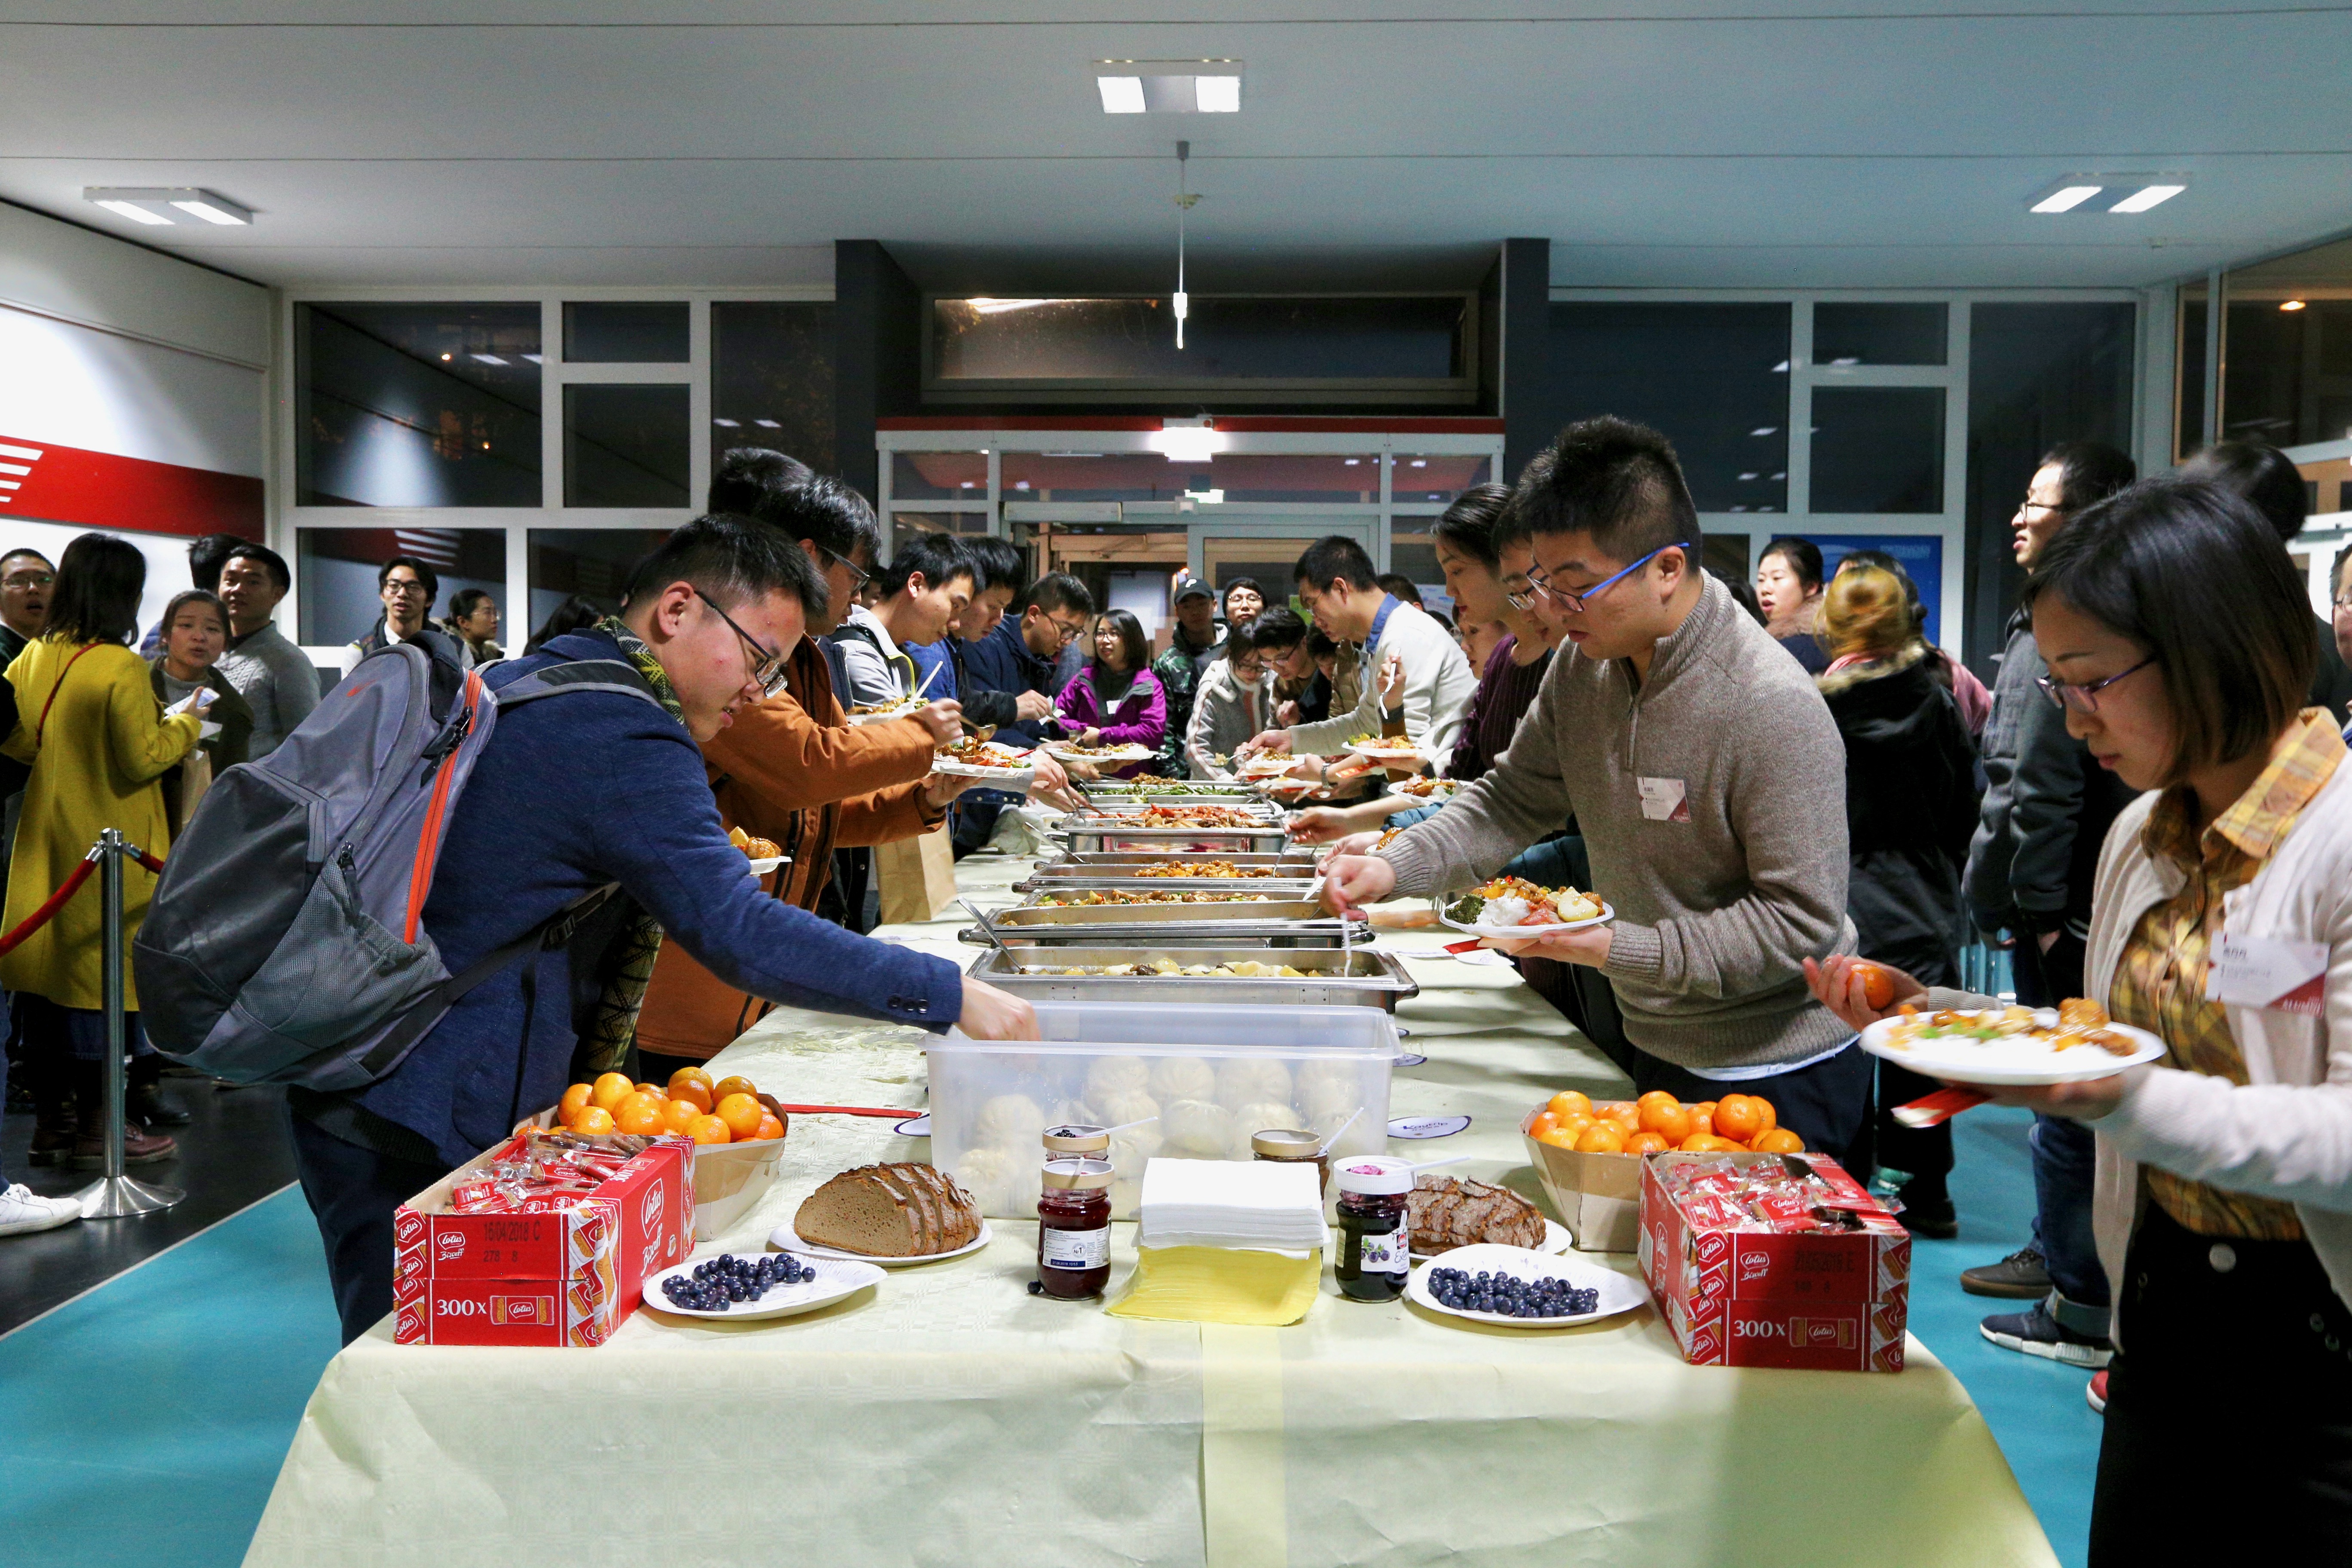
x=89 y=723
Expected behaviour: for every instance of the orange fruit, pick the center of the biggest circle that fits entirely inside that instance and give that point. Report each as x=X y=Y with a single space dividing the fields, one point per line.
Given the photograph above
x=1738 y=1116
x=1604 y=1137
x=1655 y=1098
x=640 y=1113
x=1646 y=1143
x=695 y=1094
x=1574 y=1126
x=1708 y=1143
x=568 y=1108
x=688 y=1075
x=593 y=1119
x=1778 y=1140
x=710 y=1129
x=1878 y=985
x=1668 y=1120
x=1702 y=1117
x=741 y=1113
x=1624 y=1112
x=677 y=1115
x=1559 y=1137
x=727 y=1085
x=609 y=1089
x=1568 y=1100
x=1541 y=1123
x=769 y=1127
x=1764 y=1109
x=656 y=1091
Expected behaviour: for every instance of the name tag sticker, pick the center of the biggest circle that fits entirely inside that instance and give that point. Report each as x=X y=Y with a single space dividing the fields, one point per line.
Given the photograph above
x=1662 y=800
x=2268 y=972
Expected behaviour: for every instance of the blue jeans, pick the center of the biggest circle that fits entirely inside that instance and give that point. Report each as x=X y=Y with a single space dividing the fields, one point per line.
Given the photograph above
x=2064 y=1155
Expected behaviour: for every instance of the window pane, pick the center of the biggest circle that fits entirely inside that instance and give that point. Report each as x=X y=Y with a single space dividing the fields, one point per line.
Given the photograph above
x=1112 y=340
x=600 y=334
x=939 y=476
x=771 y=379
x=1413 y=552
x=1088 y=477
x=626 y=445
x=2189 y=378
x=433 y=405
x=593 y=563
x=1714 y=378
x=904 y=525
x=1880 y=334
x=2284 y=377
x=337 y=568
x=1878 y=448
x=1418 y=480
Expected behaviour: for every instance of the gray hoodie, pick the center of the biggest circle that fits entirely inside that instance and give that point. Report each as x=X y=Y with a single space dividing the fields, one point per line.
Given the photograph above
x=1712 y=801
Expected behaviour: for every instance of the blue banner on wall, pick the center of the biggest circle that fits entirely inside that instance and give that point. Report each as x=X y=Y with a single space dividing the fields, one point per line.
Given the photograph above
x=1921 y=556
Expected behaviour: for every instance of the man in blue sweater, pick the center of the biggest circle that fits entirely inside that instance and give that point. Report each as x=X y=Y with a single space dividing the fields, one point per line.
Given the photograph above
x=1017 y=657
x=571 y=795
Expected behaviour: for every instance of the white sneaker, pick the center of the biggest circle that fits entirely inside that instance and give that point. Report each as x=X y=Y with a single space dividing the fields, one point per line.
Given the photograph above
x=21 y=1211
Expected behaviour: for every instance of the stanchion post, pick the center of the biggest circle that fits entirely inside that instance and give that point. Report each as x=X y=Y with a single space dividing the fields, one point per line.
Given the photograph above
x=117 y=1195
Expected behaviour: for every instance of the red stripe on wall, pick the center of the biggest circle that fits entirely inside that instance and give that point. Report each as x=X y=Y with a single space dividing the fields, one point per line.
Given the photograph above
x=100 y=490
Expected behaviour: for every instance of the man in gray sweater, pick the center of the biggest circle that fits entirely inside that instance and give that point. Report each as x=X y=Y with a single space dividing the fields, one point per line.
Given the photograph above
x=1708 y=779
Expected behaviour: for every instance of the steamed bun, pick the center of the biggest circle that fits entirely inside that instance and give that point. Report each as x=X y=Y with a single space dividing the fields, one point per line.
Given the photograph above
x=1244 y=1081
x=1126 y=1105
x=1117 y=1075
x=1010 y=1121
x=1182 y=1078
x=1250 y=1120
x=989 y=1176
x=1196 y=1127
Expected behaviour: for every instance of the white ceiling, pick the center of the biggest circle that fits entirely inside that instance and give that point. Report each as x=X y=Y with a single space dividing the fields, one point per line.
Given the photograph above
x=1801 y=142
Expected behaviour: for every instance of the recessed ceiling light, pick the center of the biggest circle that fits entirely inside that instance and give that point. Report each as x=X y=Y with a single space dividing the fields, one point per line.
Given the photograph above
x=165 y=206
x=2291 y=304
x=2125 y=193
x=1170 y=86
x=2065 y=198
x=489 y=359
x=2147 y=197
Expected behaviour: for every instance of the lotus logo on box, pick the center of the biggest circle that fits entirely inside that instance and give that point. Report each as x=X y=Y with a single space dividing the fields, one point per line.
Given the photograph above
x=1754 y=1264
x=522 y=1310
x=1710 y=1246
x=650 y=1216
x=449 y=1244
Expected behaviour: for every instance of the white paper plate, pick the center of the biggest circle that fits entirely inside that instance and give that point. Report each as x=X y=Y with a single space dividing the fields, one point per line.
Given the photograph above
x=1523 y=934
x=1557 y=1240
x=784 y=1236
x=2011 y=1061
x=901 y=711
x=835 y=1278
x=1113 y=756
x=768 y=863
x=1446 y=791
x=1398 y=755
x=1619 y=1293
x=964 y=770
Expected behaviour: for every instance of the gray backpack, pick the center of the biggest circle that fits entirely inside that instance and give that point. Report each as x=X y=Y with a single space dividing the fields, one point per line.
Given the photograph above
x=285 y=943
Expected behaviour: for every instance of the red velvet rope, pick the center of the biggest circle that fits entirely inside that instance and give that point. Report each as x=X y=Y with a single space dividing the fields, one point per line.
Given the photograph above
x=66 y=890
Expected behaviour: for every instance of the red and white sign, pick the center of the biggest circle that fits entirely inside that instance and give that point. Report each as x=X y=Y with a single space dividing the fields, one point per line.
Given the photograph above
x=44 y=481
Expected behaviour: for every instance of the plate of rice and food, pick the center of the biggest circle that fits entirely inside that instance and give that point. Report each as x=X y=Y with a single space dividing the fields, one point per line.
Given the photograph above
x=977 y=759
x=2071 y=1043
x=1514 y=908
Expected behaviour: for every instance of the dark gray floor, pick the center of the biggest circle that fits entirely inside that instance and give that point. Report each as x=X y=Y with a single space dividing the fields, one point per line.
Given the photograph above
x=234 y=1152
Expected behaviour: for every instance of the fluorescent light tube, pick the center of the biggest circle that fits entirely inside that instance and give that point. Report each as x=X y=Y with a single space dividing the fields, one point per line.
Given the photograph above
x=1218 y=94
x=2066 y=198
x=1121 y=94
x=214 y=212
x=136 y=213
x=2147 y=197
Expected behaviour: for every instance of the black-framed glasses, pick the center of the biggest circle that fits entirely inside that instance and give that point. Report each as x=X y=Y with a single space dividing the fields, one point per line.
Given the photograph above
x=2084 y=698
x=766 y=664
x=859 y=576
x=1576 y=601
x=1066 y=631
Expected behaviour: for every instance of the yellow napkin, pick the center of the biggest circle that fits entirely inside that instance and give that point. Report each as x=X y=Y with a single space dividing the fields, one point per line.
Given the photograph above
x=1220 y=1284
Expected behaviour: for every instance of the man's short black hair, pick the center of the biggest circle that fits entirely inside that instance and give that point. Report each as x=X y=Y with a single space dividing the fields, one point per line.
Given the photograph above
x=1402 y=586
x=425 y=574
x=2150 y=564
x=1614 y=480
x=1336 y=558
x=6 y=556
x=748 y=479
x=998 y=562
x=1469 y=524
x=1270 y=631
x=768 y=487
x=207 y=555
x=939 y=557
x=271 y=563
x=2261 y=473
x=729 y=561
x=2089 y=472
x=1059 y=591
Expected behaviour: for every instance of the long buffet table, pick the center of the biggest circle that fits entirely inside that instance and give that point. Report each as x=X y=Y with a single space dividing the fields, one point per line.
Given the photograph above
x=948 y=1417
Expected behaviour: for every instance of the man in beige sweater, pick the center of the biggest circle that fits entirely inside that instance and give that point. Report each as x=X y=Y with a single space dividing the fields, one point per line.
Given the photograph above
x=1708 y=781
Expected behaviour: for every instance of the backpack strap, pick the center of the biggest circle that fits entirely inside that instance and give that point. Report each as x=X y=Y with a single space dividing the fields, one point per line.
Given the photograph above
x=616 y=676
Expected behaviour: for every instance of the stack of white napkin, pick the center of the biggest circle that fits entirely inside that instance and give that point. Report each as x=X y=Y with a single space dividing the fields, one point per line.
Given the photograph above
x=1253 y=1204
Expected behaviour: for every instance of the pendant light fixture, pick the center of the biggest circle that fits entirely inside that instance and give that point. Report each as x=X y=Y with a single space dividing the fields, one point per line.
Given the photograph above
x=1184 y=200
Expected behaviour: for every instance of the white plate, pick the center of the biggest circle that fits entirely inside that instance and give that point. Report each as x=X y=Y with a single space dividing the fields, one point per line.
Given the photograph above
x=901 y=711
x=835 y=1278
x=2011 y=1061
x=1522 y=933
x=1619 y=1293
x=1404 y=803
x=784 y=1236
x=768 y=863
x=964 y=770
x=1557 y=1240
x=1113 y=756
x=1398 y=755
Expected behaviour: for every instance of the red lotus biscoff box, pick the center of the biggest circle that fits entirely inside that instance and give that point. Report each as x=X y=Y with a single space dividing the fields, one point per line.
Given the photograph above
x=500 y=1253
x=1774 y=1260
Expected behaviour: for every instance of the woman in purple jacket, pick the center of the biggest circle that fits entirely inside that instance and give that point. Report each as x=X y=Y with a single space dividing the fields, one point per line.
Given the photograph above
x=1116 y=700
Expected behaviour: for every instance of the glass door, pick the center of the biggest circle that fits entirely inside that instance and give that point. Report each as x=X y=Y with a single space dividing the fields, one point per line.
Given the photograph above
x=1266 y=548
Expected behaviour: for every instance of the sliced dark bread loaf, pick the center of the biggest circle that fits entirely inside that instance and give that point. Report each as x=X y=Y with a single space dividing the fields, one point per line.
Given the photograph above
x=901 y=1210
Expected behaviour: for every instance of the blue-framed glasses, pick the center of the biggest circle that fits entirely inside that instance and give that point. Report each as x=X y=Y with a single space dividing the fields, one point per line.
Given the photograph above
x=1576 y=601
x=2084 y=698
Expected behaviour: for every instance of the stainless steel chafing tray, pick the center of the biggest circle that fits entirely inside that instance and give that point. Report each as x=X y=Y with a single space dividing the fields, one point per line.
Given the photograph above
x=1097 y=832
x=1333 y=976
x=1121 y=865
x=1270 y=887
x=1290 y=923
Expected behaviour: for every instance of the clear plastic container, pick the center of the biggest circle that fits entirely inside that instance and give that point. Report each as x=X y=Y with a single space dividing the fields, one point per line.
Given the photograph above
x=1209 y=1076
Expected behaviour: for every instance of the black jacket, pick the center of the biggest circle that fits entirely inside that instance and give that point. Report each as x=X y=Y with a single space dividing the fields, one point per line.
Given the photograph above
x=1910 y=807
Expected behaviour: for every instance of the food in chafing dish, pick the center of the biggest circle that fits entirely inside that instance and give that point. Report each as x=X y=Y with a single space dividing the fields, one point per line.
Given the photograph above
x=2081 y=1023
x=1191 y=817
x=1516 y=901
x=1247 y=969
x=1206 y=869
x=1148 y=896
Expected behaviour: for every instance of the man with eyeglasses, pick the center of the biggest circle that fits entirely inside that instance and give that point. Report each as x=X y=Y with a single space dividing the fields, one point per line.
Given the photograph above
x=1018 y=656
x=25 y=578
x=1706 y=778
x=2047 y=807
x=409 y=588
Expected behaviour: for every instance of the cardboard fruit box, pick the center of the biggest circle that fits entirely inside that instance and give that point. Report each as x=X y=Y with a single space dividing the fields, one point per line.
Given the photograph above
x=1783 y=1287
x=1597 y=1196
x=568 y=1277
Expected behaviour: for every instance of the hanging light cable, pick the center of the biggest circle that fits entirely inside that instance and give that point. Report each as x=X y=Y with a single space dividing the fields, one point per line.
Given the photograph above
x=1184 y=200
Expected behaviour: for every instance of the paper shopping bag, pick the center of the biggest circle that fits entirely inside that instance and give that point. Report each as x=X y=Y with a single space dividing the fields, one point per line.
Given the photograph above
x=916 y=876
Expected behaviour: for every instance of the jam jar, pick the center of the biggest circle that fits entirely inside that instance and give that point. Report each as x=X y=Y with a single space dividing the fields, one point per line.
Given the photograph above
x=1074 y=1228
x=1375 y=1237
x=1292 y=1146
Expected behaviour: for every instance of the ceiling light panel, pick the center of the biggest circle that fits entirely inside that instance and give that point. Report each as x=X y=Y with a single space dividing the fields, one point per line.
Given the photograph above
x=1170 y=86
x=161 y=206
x=2147 y=197
x=2101 y=193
